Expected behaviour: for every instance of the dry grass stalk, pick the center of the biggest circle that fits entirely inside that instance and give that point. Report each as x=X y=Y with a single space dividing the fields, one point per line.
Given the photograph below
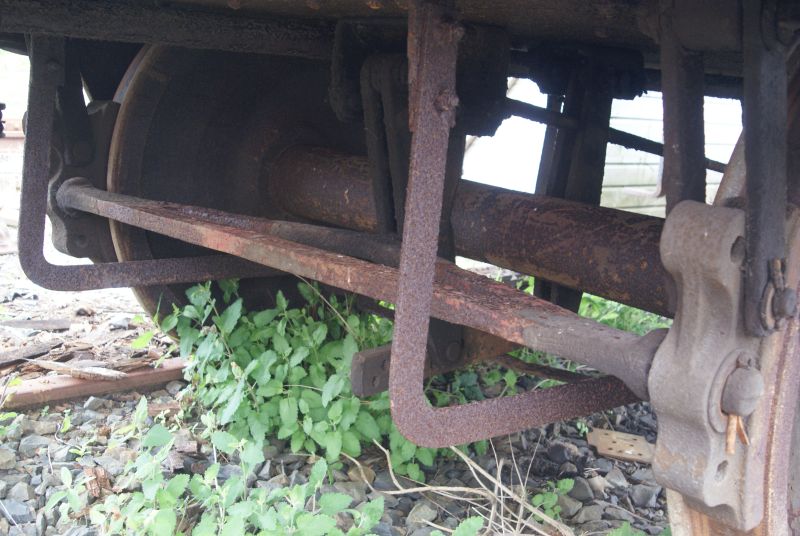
x=489 y=501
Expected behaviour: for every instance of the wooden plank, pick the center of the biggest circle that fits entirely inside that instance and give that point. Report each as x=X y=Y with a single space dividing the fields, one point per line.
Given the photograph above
x=27 y=352
x=49 y=389
x=54 y=324
x=622 y=446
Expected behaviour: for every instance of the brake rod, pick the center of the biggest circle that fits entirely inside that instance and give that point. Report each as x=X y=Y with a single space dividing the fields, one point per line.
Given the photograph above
x=615 y=136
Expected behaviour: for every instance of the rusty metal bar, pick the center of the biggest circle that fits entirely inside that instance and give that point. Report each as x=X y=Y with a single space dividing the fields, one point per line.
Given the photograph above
x=432 y=49
x=615 y=136
x=142 y=22
x=684 y=175
x=606 y=252
x=459 y=297
x=47 y=74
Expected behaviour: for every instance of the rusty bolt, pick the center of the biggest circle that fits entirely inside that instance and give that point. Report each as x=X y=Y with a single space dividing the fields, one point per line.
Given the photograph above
x=742 y=391
x=784 y=303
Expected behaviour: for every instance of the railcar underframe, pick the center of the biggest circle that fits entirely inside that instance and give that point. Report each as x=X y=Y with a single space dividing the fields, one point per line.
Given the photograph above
x=325 y=139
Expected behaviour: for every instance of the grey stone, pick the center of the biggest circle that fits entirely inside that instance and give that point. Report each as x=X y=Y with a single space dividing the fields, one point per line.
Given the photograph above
x=595 y=527
x=569 y=506
x=383 y=481
x=120 y=321
x=7 y=459
x=421 y=512
x=27 y=529
x=593 y=512
x=422 y=531
x=643 y=475
x=62 y=454
x=603 y=465
x=81 y=531
x=13 y=478
x=227 y=471
x=93 y=403
x=45 y=427
x=357 y=490
x=384 y=529
x=3 y=489
x=645 y=496
x=567 y=468
x=41 y=523
x=617 y=513
x=270 y=452
x=110 y=464
x=4 y=526
x=174 y=387
x=20 y=492
x=265 y=470
x=561 y=452
x=16 y=511
x=598 y=485
x=29 y=445
x=581 y=491
x=616 y=478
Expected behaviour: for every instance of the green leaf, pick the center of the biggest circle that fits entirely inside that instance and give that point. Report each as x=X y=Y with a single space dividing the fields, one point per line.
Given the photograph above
x=54 y=499
x=565 y=485
x=280 y=301
x=264 y=317
x=372 y=512
x=66 y=477
x=335 y=411
x=425 y=456
x=227 y=321
x=332 y=388
x=319 y=334
x=469 y=527
x=252 y=454
x=298 y=356
x=298 y=438
x=233 y=404
x=288 y=411
x=314 y=525
x=350 y=444
x=414 y=472
x=281 y=345
x=333 y=503
x=224 y=441
x=367 y=426
x=142 y=340
x=157 y=436
x=164 y=523
x=333 y=445
x=318 y=472
x=234 y=526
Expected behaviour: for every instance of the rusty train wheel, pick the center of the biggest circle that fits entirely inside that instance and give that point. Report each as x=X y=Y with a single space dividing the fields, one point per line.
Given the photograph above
x=775 y=426
x=203 y=128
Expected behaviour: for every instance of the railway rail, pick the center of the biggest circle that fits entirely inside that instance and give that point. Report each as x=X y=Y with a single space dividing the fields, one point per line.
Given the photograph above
x=325 y=140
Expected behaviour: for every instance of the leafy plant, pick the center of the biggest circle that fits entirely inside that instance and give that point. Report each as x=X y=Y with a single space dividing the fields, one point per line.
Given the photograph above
x=469 y=527
x=205 y=505
x=547 y=499
x=284 y=372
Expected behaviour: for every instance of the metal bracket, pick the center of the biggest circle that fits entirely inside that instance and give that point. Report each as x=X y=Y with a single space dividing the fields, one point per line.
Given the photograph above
x=703 y=248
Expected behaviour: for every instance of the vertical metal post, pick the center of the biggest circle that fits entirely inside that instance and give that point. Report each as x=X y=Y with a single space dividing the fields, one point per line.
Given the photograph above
x=432 y=53
x=682 y=84
x=765 y=129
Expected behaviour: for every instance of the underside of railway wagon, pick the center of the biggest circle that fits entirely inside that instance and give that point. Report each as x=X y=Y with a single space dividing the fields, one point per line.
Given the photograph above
x=269 y=139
